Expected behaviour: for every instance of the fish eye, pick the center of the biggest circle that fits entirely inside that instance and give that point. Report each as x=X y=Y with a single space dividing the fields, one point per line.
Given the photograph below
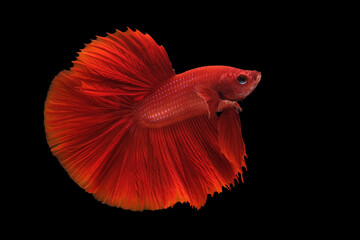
x=242 y=79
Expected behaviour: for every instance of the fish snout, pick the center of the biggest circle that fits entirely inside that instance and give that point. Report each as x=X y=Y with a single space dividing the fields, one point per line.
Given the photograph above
x=257 y=76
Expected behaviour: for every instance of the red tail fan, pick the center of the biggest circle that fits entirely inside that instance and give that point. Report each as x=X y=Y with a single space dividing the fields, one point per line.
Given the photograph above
x=137 y=136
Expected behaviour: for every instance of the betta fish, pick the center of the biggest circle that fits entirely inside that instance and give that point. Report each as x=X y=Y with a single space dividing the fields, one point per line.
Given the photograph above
x=135 y=135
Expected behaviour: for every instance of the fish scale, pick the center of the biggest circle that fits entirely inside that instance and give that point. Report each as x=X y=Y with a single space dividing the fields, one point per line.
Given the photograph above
x=176 y=99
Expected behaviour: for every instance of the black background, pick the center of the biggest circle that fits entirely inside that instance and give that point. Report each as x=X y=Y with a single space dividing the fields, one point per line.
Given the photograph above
x=275 y=189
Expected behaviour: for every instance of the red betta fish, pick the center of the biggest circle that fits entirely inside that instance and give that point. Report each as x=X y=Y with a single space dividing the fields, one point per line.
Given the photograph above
x=134 y=134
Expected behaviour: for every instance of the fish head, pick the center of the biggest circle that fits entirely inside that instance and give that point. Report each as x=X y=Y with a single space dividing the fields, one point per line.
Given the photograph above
x=236 y=84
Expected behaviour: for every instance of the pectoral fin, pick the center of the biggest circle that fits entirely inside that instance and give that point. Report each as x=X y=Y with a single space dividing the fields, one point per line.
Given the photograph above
x=211 y=97
x=214 y=102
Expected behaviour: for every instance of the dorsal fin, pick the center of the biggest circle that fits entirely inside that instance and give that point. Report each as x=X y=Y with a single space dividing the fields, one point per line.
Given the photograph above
x=130 y=61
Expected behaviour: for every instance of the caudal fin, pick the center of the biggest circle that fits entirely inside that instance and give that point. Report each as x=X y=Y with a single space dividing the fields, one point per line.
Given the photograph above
x=88 y=112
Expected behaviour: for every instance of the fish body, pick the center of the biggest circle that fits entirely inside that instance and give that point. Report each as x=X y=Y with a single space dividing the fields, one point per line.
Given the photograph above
x=136 y=135
x=184 y=95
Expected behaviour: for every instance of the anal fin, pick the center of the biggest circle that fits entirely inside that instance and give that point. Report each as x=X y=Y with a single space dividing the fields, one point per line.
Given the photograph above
x=230 y=138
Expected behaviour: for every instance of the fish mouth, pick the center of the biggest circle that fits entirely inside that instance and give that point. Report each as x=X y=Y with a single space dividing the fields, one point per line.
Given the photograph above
x=257 y=76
